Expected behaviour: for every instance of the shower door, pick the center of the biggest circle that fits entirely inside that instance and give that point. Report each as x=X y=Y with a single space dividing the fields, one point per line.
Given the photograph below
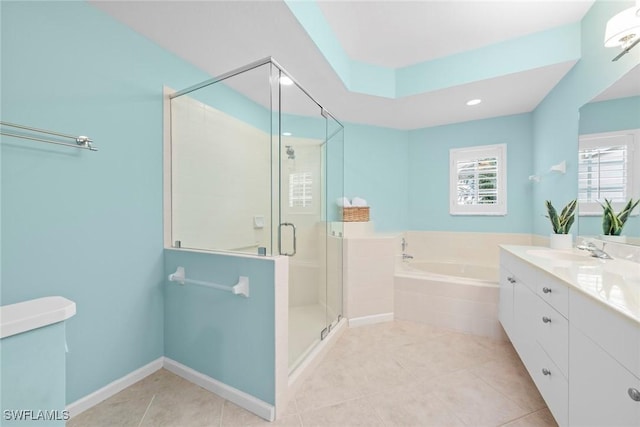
x=303 y=228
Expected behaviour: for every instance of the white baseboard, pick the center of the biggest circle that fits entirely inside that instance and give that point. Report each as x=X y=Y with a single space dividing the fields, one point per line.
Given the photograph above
x=240 y=398
x=369 y=320
x=90 y=400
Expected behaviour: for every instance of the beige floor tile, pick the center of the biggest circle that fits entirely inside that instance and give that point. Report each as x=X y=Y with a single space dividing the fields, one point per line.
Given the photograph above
x=442 y=355
x=358 y=412
x=381 y=372
x=290 y=409
x=397 y=373
x=233 y=415
x=511 y=379
x=328 y=385
x=187 y=405
x=285 y=421
x=111 y=412
x=541 y=418
x=474 y=401
x=405 y=407
x=154 y=383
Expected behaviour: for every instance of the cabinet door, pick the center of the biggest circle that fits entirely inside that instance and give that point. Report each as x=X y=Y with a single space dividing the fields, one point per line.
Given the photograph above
x=599 y=387
x=524 y=314
x=505 y=307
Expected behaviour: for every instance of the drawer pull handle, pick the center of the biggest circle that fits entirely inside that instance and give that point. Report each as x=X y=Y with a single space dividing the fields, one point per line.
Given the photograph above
x=634 y=394
x=546 y=319
x=511 y=280
x=545 y=371
x=546 y=290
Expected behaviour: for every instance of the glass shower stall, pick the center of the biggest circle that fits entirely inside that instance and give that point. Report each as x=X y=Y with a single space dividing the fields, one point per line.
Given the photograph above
x=256 y=167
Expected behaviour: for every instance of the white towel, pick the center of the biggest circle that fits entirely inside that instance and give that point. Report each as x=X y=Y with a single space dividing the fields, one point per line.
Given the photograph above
x=343 y=202
x=358 y=202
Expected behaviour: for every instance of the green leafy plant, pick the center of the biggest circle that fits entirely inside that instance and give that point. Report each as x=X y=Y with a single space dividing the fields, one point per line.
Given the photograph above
x=561 y=223
x=612 y=223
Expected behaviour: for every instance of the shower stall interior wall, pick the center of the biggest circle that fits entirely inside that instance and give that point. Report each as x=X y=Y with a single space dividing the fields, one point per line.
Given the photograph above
x=255 y=165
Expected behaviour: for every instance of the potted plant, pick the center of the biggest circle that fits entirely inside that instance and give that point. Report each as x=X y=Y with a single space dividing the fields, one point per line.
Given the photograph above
x=560 y=238
x=612 y=223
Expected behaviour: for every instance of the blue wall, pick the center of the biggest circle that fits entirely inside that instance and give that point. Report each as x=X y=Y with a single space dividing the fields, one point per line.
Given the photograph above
x=429 y=174
x=225 y=336
x=555 y=120
x=611 y=115
x=376 y=166
x=87 y=225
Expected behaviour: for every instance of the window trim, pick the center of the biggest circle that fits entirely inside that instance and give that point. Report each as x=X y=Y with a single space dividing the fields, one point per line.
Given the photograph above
x=633 y=167
x=499 y=151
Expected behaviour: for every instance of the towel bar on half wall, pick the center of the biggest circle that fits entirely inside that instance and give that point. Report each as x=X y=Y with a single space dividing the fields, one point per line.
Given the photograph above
x=240 y=288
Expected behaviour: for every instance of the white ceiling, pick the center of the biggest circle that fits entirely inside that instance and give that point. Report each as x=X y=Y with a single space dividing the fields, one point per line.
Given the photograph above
x=218 y=36
x=401 y=33
x=627 y=85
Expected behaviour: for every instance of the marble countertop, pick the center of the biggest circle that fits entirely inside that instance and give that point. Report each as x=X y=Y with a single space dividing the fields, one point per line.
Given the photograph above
x=36 y=313
x=615 y=282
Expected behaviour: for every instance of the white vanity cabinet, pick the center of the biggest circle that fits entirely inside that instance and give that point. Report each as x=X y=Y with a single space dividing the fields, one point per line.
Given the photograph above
x=537 y=329
x=582 y=353
x=604 y=348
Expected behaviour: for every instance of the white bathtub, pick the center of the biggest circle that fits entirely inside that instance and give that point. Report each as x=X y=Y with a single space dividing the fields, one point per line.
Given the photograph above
x=484 y=274
x=452 y=294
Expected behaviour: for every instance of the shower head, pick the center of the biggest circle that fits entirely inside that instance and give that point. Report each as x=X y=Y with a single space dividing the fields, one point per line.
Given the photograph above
x=291 y=153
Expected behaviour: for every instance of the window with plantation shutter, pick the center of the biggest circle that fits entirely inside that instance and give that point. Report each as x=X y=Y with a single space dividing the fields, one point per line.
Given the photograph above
x=606 y=164
x=300 y=190
x=478 y=180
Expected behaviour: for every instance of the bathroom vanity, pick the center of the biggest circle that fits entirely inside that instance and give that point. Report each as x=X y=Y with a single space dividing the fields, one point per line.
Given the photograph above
x=575 y=322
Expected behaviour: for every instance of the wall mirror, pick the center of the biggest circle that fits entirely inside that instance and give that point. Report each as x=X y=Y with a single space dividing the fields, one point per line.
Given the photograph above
x=609 y=158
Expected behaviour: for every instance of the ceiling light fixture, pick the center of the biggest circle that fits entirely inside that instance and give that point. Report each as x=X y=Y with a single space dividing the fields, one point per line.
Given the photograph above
x=474 y=102
x=623 y=30
x=286 y=81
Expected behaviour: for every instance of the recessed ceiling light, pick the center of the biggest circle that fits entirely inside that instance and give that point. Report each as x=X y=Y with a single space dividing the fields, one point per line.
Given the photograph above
x=286 y=133
x=285 y=80
x=474 y=102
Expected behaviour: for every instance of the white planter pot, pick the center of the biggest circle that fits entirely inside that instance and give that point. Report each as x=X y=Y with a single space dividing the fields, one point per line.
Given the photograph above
x=617 y=239
x=561 y=241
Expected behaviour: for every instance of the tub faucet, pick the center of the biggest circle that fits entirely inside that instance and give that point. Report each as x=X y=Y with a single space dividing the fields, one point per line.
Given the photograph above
x=595 y=252
x=406 y=257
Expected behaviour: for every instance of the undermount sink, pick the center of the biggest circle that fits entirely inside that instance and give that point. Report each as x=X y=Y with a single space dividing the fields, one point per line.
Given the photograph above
x=558 y=255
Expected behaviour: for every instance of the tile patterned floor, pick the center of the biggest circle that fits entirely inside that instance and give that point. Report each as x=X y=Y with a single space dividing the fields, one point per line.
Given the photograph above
x=390 y=374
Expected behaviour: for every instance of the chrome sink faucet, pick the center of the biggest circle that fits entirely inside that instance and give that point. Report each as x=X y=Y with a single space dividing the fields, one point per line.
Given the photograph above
x=595 y=252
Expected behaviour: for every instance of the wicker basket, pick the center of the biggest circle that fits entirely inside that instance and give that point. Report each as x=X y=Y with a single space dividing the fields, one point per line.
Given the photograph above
x=355 y=214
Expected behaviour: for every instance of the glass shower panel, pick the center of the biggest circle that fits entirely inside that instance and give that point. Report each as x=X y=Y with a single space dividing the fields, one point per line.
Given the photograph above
x=334 y=170
x=221 y=165
x=302 y=229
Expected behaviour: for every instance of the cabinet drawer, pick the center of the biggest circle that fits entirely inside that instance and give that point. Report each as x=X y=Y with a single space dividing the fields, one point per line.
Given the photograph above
x=552 y=332
x=553 y=386
x=554 y=293
x=614 y=333
x=520 y=270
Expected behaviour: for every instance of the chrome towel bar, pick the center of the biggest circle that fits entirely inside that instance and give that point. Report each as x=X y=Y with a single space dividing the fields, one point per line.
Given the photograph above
x=83 y=142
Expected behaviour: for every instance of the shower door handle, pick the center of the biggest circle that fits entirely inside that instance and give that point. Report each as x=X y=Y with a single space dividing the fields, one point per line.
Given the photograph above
x=286 y=224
